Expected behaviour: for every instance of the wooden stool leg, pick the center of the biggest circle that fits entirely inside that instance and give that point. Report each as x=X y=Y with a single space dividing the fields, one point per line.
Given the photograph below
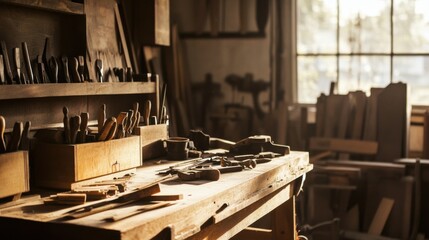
x=284 y=221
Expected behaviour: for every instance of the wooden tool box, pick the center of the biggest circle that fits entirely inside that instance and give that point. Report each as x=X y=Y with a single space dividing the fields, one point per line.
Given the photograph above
x=61 y=166
x=14 y=173
x=152 y=139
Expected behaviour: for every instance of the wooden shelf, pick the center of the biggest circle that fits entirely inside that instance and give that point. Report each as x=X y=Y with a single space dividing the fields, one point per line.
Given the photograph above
x=63 y=6
x=75 y=89
x=208 y=35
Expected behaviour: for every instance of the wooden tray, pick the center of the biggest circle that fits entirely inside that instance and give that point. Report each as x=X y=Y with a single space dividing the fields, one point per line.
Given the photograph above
x=14 y=174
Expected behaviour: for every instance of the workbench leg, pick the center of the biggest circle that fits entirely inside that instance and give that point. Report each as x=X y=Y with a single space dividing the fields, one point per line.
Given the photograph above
x=284 y=221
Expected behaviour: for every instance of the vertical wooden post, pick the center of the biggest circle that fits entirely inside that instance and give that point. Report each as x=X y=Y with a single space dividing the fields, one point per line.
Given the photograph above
x=284 y=221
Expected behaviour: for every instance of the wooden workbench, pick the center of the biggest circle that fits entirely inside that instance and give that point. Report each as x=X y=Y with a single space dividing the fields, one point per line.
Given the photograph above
x=209 y=209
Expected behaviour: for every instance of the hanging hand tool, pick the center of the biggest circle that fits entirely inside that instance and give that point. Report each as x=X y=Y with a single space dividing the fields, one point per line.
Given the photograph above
x=2 y=129
x=9 y=75
x=81 y=137
x=248 y=163
x=17 y=61
x=74 y=128
x=45 y=61
x=99 y=70
x=73 y=68
x=163 y=95
x=65 y=63
x=53 y=68
x=27 y=62
x=257 y=144
x=147 y=109
x=2 y=80
x=101 y=117
x=136 y=114
x=129 y=75
x=108 y=130
x=35 y=66
x=121 y=120
x=16 y=137
x=43 y=76
x=209 y=173
x=25 y=140
x=66 y=125
x=130 y=123
x=81 y=68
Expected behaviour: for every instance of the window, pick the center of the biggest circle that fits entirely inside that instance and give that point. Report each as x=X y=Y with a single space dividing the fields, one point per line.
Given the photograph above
x=362 y=44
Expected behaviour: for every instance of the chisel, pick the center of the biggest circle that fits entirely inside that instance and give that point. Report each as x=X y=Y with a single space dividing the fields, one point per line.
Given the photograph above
x=2 y=128
x=65 y=63
x=53 y=68
x=74 y=70
x=16 y=137
x=81 y=68
x=2 y=80
x=74 y=128
x=107 y=130
x=147 y=109
x=84 y=117
x=66 y=125
x=27 y=62
x=17 y=61
x=25 y=141
x=136 y=113
x=9 y=76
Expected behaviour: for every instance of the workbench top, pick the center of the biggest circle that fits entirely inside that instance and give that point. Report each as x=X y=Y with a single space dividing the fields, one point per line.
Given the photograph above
x=204 y=203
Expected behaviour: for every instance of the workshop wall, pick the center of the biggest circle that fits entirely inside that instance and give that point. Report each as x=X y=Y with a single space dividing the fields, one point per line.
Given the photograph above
x=224 y=56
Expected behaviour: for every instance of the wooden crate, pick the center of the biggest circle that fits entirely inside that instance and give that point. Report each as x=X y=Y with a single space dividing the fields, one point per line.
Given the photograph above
x=152 y=137
x=14 y=174
x=60 y=166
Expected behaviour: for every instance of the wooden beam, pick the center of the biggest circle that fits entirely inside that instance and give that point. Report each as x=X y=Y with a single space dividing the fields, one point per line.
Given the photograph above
x=344 y=145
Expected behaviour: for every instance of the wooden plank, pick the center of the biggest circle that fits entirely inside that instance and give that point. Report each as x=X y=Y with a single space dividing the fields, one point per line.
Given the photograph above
x=381 y=216
x=284 y=221
x=382 y=166
x=332 y=111
x=122 y=37
x=392 y=122
x=320 y=115
x=81 y=89
x=344 y=145
x=62 y=6
x=370 y=126
x=357 y=122
x=425 y=153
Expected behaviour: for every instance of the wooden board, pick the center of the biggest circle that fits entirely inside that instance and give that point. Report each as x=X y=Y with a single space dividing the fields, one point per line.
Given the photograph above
x=392 y=122
x=381 y=216
x=152 y=137
x=202 y=200
x=344 y=145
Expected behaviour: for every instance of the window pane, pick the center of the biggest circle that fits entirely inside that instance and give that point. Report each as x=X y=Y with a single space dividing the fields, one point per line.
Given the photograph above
x=317 y=26
x=411 y=26
x=314 y=77
x=415 y=72
x=365 y=26
x=362 y=73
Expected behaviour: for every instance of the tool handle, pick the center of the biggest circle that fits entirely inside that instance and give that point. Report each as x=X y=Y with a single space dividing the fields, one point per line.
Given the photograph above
x=17 y=61
x=74 y=128
x=107 y=128
x=27 y=62
x=147 y=109
x=9 y=75
x=2 y=76
x=2 y=129
x=25 y=141
x=66 y=125
x=211 y=174
x=16 y=137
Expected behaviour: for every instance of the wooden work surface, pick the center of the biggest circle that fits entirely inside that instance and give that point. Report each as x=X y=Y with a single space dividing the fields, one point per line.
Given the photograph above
x=213 y=209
